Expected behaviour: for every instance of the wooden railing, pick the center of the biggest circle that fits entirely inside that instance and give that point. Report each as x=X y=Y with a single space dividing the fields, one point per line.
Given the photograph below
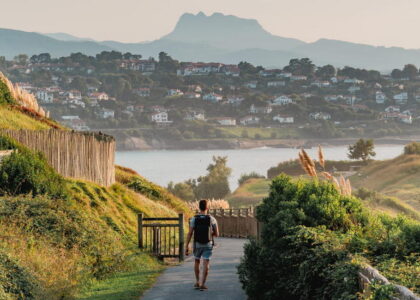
x=237 y=222
x=163 y=237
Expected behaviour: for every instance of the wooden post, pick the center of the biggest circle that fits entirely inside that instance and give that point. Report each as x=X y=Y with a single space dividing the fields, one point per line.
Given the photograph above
x=181 y=236
x=140 y=230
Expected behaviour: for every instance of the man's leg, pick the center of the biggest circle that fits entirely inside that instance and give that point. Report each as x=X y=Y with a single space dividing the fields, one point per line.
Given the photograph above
x=206 y=266
x=197 y=270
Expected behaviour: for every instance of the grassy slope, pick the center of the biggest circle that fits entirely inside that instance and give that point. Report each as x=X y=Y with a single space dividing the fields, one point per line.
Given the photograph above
x=118 y=207
x=13 y=119
x=114 y=208
x=397 y=182
x=399 y=177
x=250 y=193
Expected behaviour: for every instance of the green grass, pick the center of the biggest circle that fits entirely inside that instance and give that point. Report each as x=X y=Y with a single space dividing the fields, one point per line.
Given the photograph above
x=398 y=177
x=250 y=193
x=126 y=285
x=14 y=119
x=265 y=133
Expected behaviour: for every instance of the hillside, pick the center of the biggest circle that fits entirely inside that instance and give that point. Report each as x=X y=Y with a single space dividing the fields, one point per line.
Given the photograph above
x=399 y=177
x=390 y=186
x=67 y=238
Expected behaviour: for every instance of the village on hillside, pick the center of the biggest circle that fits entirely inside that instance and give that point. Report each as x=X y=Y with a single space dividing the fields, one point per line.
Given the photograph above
x=123 y=91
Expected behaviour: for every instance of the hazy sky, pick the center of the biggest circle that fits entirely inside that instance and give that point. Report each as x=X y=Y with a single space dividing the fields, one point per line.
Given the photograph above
x=376 y=22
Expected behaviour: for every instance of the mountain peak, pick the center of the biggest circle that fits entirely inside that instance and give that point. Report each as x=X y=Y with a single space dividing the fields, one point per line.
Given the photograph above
x=227 y=32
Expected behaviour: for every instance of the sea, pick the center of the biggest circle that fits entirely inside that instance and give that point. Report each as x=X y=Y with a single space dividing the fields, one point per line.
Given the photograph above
x=164 y=166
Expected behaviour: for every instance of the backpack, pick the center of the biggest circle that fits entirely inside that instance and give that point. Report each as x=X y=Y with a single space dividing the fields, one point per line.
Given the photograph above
x=202 y=229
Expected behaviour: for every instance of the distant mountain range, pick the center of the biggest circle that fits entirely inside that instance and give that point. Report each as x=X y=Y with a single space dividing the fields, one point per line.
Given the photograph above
x=221 y=38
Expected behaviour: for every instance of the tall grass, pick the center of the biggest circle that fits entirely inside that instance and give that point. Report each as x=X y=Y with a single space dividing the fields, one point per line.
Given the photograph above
x=23 y=98
x=213 y=204
x=308 y=165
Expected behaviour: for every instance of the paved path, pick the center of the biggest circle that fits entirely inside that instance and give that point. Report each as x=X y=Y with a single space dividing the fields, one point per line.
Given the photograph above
x=177 y=282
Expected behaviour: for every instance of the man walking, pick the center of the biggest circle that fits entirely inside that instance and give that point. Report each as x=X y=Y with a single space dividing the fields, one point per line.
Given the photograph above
x=204 y=227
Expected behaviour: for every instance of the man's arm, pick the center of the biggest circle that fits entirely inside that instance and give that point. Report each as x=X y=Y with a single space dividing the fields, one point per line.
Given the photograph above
x=215 y=230
x=189 y=236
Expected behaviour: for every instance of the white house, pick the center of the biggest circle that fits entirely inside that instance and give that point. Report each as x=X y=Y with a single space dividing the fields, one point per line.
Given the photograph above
x=380 y=97
x=353 y=89
x=175 y=93
x=401 y=98
x=282 y=100
x=320 y=116
x=284 y=75
x=226 y=121
x=298 y=78
x=105 y=113
x=249 y=120
x=353 y=81
x=231 y=70
x=74 y=94
x=406 y=117
x=213 y=97
x=392 y=109
x=275 y=83
x=235 y=100
x=260 y=109
x=333 y=98
x=195 y=116
x=78 y=103
x=160 y=117
x=74 y=122
x=100 y=96
x=320 y=84
x=44 y=96
x=192 y=95
x=251 y=84
x=142 y=92
x=284 y=119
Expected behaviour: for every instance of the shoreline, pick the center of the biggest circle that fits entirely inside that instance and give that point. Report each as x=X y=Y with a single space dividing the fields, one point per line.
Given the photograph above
x=138 y=144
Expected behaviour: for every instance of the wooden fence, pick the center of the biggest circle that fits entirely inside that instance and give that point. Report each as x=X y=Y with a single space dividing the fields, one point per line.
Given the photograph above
x=163 y=237
x=88 y=156
x=237 y=222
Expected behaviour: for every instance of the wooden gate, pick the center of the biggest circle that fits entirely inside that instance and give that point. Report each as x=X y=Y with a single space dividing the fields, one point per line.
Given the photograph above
x=163 y=237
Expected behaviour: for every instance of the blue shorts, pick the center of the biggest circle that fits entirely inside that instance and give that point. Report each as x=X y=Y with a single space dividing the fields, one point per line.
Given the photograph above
x=203 y=252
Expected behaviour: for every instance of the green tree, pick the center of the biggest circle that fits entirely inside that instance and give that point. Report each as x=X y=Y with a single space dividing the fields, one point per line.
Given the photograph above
x=182 y=190
x=21 y=59
x=303 y=66
x=362 y=149
x=396 y=74
x=326 y=72
x=215 y=184
x=410 y=71
x=167 y=63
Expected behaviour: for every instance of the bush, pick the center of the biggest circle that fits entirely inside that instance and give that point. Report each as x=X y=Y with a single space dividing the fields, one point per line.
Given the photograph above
x=5 y=95
x=245 y=177
x=24 y=172
x=15 y=281
x=412 y=148
x=312 y=239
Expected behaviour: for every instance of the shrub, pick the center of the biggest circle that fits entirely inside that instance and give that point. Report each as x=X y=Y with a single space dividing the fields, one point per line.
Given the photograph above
x=310 y=228
x=24 y=172
x=412 y=148
x=15 y=281
x=245 y=177
x=5 y=95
